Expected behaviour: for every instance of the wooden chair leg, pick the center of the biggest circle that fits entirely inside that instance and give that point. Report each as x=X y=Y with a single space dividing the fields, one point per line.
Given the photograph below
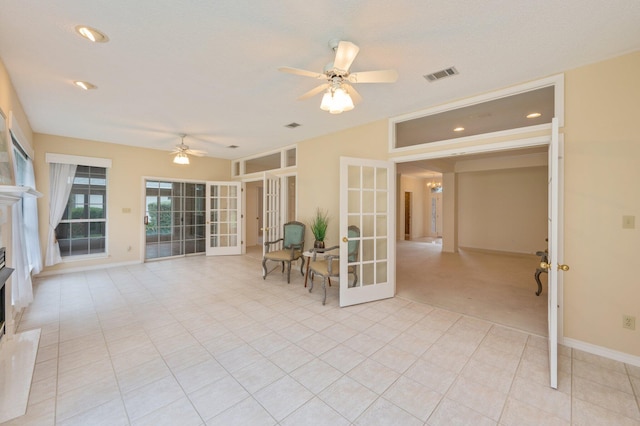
x=264 y=269
x=324 y=287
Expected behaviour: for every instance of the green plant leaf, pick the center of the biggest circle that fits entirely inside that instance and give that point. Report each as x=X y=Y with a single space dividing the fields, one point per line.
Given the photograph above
x=319 y=224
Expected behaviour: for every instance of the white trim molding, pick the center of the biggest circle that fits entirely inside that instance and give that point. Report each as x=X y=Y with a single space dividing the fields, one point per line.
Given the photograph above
x=78 y=160
x=557 y=81
x=602 y=351
x=47 y=273
x=18 y=134
x=475 y=149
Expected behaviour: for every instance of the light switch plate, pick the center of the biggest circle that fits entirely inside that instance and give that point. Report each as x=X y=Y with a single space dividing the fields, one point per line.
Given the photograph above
x=628 y=222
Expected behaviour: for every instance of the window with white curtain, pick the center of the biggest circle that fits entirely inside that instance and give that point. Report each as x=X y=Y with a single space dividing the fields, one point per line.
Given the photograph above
x=25 y=240
x=25 y=176
x=83 y=227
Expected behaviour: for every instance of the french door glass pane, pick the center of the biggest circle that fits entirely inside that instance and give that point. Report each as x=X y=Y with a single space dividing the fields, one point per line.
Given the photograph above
x=367 y=205
x=224 y=215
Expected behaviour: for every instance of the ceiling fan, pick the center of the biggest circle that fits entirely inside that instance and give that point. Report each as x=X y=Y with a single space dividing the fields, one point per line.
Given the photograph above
x=183 y=151
x=339 y=94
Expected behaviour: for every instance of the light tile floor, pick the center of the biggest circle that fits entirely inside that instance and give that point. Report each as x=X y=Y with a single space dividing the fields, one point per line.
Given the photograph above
x=200 y=340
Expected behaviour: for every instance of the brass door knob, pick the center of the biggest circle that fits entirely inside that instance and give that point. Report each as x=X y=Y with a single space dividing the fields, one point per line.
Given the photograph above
x=345 y=239
x=545 y=265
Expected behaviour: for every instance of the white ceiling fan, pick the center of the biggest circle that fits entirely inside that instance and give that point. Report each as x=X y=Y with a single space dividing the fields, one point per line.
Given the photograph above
x=339 y=93
x=182 y=152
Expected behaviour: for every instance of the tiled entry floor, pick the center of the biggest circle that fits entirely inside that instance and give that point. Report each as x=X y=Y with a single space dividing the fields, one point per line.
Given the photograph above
x=200 y=340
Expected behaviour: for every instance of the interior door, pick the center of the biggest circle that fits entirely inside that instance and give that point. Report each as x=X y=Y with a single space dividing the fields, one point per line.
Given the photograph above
x=367 y=195
x=555 y=265
x=224 y=218
x=271 y=217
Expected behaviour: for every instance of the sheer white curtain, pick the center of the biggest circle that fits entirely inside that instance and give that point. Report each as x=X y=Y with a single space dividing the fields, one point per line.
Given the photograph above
x=21 y=286
x=60 y=181
x=30 y=215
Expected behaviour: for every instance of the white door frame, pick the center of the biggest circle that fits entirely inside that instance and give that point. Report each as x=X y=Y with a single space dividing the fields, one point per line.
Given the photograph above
x=271 y=209
x=381 y=193
x=497 y=147
x=223 y=199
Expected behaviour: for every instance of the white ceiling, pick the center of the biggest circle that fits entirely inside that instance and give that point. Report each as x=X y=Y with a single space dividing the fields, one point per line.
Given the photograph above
x=209 y=68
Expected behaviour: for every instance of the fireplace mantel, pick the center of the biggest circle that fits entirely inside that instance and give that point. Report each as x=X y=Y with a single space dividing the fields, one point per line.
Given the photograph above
x=17 y=351
x=10 y=194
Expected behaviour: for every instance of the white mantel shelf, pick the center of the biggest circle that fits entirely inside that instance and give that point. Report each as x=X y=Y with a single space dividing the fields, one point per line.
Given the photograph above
x=10 y=194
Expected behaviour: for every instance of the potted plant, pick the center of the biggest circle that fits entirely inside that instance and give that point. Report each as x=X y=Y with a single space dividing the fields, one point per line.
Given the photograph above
x=318 y=227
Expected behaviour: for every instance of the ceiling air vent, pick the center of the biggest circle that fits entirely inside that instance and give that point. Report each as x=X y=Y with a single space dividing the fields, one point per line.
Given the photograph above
x=292 y=125
x=438 y=75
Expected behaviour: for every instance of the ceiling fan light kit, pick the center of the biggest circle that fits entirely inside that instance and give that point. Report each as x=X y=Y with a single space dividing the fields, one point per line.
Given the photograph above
x=339 y=94
x=183 y=151
x=181 y=158
x=336 y=101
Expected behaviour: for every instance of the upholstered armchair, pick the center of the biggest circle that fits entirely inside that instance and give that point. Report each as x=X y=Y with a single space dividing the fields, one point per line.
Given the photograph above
x=329 y=267
x=286 y=249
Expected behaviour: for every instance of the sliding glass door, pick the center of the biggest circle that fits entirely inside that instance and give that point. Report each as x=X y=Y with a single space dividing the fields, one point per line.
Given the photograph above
x=174 y=218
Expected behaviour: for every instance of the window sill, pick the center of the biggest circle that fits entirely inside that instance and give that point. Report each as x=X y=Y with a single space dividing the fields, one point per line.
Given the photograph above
x=84 y=257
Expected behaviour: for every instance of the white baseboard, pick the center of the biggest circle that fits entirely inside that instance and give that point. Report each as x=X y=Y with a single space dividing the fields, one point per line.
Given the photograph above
x=87 y=268
x=602 y=351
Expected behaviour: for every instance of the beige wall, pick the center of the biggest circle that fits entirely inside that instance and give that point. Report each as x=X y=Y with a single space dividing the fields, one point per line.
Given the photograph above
x=503 y=210
x=251 y=209
x=9 y=102
x=419 y=216
x=602 y=169
x=125 y=189
x=319 y=170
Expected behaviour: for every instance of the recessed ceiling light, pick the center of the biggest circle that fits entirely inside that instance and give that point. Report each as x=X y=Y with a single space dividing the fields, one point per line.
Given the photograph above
x=534 y=115
x=458 y=129
x=85 y=85
x=92 y=34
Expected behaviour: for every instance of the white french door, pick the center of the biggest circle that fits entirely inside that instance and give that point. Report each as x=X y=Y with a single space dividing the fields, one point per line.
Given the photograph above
x=555 y=266
x=367 y=200
x=271 y=217
x=224 y=216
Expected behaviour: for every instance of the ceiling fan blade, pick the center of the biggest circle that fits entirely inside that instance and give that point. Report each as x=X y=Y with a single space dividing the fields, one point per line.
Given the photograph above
x=195 y=152
x=380 y=76
x=355 y=96
x=314 y=91
x=345 y=55
x=304 y=73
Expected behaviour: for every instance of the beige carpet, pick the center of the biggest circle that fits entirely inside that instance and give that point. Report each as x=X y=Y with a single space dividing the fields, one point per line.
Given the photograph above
x=492 y=286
